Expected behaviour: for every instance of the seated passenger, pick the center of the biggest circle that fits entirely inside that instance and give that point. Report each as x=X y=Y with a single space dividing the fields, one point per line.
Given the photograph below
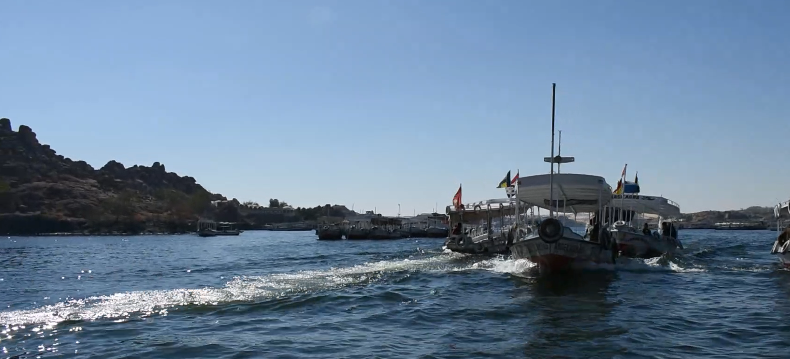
x=458 y=229
x=594 y=233
x=645 y=230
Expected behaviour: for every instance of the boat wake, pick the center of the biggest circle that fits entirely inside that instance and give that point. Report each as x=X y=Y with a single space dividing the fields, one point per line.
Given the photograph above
x=240 y=289
x=253 y=289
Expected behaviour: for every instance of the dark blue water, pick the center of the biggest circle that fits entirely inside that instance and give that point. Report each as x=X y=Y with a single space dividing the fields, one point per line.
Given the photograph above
x=286 y=295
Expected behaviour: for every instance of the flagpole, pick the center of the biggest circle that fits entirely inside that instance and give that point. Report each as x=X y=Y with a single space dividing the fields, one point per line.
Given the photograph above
x=460 y=208
x=622 y=195
x=551 y=174
x=518 y=173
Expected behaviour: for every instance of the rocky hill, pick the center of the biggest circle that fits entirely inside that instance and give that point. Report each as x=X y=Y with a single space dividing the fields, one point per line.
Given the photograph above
x=751 y=214
x=44 y=192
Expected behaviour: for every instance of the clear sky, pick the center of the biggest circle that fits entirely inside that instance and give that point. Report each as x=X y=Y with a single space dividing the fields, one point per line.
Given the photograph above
x=378 y=103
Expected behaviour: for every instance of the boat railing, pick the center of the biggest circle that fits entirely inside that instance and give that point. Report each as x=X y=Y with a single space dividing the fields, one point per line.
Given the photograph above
x=671 y=202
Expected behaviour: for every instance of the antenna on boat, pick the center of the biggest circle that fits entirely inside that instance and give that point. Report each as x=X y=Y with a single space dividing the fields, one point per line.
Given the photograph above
x=551 y=160
x=559 y=159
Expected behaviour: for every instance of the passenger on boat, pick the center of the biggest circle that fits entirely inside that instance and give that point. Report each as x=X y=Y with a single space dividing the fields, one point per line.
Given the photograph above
x=458 y=229
x=669 y=230
x=645 y=230
x=673 y=231
x=595 y=229
x=782 y=238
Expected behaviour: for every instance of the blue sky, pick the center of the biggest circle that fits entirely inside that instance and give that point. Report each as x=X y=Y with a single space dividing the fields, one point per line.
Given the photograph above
x=379 y=103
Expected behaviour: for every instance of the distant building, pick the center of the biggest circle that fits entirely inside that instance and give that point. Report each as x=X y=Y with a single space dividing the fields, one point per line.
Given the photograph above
x=286 y=211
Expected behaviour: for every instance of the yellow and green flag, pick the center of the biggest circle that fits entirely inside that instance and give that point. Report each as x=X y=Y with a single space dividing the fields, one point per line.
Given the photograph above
x=505 y=183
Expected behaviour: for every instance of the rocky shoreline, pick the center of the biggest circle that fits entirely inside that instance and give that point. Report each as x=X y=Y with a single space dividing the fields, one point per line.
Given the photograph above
x=43 y=192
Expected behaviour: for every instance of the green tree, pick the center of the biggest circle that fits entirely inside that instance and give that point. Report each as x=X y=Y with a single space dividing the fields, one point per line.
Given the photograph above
x=274 y=203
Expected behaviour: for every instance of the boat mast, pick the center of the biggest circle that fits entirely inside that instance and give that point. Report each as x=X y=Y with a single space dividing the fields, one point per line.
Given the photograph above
x=559 y=150
x=551 y=174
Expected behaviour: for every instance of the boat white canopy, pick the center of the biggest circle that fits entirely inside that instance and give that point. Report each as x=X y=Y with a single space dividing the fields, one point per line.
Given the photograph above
x=574 y=192
x=782 y=210
x=661 y=206
x=494 y=205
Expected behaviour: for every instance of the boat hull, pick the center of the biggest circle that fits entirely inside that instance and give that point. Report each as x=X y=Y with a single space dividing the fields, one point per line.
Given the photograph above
x=207 y=233
x=564 y=254
x=638 y=245
x=358 y=234
x=782 y=250
x=330 y=234
x=418 y=233
x=784 y=258
x=435 y=232
x=465 y=244
x=379 y=233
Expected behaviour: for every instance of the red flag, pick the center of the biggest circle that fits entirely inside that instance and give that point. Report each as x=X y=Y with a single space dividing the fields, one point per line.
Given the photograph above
x=457 y=199
x=514 y=181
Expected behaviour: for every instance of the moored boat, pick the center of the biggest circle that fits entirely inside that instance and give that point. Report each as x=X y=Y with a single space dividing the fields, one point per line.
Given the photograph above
x=418 y=232
x=358 y=231
x=437 y=232
x=781 y=246
x=227 y=229
x=209 y=228
x=330 y=233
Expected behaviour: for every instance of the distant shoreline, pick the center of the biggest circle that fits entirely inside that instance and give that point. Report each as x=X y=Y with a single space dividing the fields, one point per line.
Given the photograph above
x=76 y=234
x=79 y=234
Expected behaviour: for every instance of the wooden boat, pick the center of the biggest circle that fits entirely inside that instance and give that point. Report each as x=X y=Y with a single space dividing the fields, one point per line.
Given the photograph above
x=781 y=247
x=629 y=231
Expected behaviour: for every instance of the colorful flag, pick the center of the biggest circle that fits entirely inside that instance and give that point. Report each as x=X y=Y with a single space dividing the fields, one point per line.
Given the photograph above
x=505 y=181
x=619 y=189
x=457 y=199
x=623 y=174
x=514 y=181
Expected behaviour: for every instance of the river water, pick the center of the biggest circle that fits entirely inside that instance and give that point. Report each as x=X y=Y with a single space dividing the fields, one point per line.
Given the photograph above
x=287 y=295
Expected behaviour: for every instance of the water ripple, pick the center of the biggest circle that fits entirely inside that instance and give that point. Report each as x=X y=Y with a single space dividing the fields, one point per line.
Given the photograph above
x=286 y=295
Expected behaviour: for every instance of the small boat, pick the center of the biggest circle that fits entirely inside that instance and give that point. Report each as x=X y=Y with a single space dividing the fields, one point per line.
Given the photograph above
x=403 y=232
x=632 y=233
x=385 y=227
x=206 y=232
x=552 y=245
x=227 y=229
x=781 y=246
x=418 y=232
x=358 y=231
x=482 y=228
x=437 y=231
x=209 y=228
x=741 y=226
x=329 y=233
